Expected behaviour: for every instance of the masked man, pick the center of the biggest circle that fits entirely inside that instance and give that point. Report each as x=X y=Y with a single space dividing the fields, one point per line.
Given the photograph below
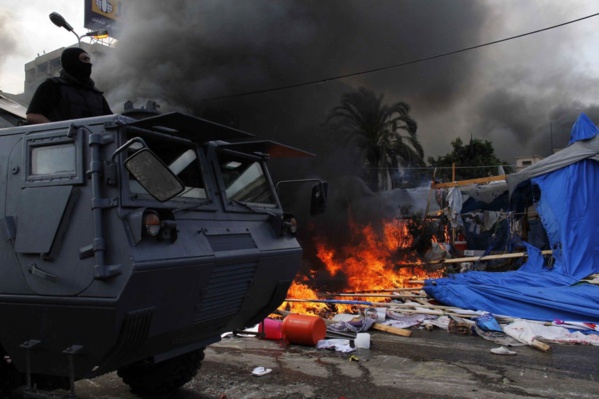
x=73 y=95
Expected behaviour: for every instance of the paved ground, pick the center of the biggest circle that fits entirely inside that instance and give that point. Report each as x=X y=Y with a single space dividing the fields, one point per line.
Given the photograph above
x=426 y=365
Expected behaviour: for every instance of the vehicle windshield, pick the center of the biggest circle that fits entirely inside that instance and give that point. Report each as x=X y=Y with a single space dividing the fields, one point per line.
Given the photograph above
x=245 y=181
x=182 y=160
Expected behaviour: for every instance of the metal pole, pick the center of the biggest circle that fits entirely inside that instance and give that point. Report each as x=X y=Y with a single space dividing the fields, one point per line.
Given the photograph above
x=550 y=138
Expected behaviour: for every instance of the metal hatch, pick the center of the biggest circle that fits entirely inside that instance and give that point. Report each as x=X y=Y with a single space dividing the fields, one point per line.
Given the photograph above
x=189 y=127
x=272 y=148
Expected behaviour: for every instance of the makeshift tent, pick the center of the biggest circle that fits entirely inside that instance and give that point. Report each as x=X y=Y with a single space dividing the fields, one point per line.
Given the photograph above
x=567 y=201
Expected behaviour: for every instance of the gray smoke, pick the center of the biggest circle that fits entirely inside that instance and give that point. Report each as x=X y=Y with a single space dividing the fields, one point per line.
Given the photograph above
x=9 y=42
x=522 y=95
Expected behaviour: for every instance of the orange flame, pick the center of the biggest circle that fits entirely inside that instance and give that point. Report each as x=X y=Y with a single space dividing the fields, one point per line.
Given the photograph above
x=378 y=258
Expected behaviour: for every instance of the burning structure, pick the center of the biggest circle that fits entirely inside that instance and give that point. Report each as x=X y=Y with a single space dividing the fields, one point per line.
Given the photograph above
x=561 y=188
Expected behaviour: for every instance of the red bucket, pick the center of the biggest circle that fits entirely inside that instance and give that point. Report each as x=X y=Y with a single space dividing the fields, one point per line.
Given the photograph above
x=303 y=329
x=271 y=329
x=460 y=247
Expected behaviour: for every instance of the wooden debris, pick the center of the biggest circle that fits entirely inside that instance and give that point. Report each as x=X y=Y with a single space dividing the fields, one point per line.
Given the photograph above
x=383 y=290
x=468 y=182
x=491 y=257
x=378 y=295
x=540 y=345
x=392 y=330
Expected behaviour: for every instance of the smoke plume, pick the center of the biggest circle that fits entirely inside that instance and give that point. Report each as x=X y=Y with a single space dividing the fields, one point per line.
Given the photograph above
x=197 y=57
x=518 y=94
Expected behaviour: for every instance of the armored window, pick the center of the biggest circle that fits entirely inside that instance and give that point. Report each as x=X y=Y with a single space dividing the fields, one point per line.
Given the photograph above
x=53 y=159
x=182 y=159
x=246 y=181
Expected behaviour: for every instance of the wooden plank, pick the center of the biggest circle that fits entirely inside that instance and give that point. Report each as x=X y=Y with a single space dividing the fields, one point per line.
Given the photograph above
x=376 y=295
x=480 y=180
x=373 y=291
x=392 y=330
x=491 y=257
x=540 y=345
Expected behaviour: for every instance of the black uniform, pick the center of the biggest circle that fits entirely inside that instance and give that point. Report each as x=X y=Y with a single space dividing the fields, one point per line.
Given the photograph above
x=73 y=95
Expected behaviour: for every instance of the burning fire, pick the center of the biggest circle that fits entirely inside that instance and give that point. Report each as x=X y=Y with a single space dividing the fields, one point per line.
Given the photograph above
x=376 y=258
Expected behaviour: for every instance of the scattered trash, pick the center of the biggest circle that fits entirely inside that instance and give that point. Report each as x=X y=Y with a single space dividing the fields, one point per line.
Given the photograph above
x=531 y=333
x=271 y=329
x=457 y=325
x=303 y=329
x=502 y=350
x=370 y=313
x=400 y=320
x=487 y=322
x=362 y=341
x=500 y=338
x=422 y=312
x=381 y=315
x=354 y=326
x=428 y=325
x=574 y=325
x=340 y=345
x=392 y=330
x=354 y=358
x=260 y=371
x=343 y=317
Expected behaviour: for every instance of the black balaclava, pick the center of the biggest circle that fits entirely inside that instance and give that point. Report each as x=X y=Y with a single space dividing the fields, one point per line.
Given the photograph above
x=73 y=65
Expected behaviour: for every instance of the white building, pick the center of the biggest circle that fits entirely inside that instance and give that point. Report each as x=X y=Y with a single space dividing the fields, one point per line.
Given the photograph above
x=525 y=161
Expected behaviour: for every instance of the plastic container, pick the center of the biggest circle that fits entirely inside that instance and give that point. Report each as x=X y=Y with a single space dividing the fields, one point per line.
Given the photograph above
x=303 y=329
x=271 y=329
x=381 y=314
x=362 y=341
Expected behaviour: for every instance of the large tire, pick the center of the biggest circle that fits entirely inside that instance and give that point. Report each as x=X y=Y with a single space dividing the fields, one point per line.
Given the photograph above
x=148 y=378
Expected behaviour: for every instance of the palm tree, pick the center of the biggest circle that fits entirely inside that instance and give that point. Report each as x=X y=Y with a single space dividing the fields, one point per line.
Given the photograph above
x=376 y=130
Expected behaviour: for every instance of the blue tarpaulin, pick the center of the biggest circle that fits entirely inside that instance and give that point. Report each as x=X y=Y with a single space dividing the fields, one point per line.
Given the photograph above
x=568 y=208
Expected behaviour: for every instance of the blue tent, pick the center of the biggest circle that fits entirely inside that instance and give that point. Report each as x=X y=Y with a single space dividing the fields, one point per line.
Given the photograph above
x=568 y=207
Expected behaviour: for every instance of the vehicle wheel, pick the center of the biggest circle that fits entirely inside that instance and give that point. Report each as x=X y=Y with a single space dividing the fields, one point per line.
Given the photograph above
x=148 y=378
x=10 y=378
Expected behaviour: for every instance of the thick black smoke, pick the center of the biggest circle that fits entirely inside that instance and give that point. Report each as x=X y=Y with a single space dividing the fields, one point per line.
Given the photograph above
x=182 y=53
x=523 y=95
x=518 y=94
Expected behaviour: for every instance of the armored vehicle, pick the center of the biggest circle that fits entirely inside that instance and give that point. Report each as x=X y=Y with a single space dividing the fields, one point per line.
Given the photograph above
x=131 y=244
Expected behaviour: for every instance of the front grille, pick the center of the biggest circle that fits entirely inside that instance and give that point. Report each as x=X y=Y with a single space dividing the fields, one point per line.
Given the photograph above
x=227 y=289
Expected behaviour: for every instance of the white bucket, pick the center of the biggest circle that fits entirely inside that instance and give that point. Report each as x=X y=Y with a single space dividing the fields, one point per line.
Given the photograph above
x=362 y=341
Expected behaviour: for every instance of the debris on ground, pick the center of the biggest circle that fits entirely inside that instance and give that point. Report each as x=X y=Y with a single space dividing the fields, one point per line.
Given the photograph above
x=260 y=371
x=502 y=350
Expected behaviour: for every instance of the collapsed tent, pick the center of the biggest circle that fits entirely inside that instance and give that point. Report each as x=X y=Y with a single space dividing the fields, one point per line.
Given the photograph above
x=565 y=190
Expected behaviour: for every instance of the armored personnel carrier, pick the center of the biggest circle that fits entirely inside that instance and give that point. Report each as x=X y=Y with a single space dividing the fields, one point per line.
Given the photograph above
x=132 y=244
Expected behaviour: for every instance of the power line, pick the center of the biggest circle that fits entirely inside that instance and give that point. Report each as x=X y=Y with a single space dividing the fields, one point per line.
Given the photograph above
x=349 y=75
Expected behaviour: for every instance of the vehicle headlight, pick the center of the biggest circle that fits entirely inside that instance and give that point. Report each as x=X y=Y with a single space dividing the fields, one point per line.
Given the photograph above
x=152 y=223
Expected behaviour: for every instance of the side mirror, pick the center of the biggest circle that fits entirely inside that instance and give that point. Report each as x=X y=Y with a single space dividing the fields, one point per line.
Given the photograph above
x=318 y=201
x=153 y=175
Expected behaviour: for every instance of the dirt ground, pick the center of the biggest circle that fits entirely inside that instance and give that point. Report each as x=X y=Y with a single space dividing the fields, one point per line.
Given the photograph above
x=434 y=364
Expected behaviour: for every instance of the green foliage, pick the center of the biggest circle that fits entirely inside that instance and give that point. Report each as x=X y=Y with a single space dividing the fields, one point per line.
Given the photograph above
x=384 y=134
x=473 y=160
